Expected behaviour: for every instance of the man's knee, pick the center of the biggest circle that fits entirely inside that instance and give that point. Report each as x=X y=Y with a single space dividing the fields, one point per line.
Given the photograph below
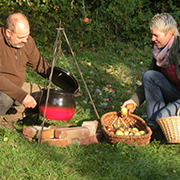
x=5 y=103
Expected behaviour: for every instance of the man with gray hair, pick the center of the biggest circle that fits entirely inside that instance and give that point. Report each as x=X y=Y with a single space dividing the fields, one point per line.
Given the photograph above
x=18 y=50
x=161 y=83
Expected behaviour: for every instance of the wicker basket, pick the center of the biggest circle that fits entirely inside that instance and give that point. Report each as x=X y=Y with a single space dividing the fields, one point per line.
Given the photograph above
x=111 y=118
x=171 y=128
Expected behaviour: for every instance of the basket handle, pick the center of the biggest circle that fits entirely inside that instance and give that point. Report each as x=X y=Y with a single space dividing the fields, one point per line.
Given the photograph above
x=178 y=110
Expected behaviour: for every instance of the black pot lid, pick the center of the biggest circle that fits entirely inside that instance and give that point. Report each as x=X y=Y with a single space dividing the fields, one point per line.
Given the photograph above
x=63 y=79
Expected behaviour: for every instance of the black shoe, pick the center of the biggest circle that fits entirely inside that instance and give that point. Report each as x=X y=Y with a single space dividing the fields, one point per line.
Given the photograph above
x=157 y=134
x=6 y=124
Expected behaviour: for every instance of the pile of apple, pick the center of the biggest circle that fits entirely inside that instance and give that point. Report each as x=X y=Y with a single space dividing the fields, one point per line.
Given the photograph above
x=125 y=131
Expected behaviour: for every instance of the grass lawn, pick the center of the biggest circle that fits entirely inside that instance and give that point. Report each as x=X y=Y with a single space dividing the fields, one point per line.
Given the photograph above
x=111 y=73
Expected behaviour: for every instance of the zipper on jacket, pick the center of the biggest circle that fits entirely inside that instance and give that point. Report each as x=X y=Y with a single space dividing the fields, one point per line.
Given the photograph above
x=16 y=57
x=15 y=54
x=19 y=58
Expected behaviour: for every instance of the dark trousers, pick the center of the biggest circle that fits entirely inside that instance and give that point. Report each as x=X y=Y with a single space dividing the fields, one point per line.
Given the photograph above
x=12 y=110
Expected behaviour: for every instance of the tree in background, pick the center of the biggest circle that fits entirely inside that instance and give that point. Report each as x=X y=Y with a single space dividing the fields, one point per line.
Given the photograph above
x=109 y=20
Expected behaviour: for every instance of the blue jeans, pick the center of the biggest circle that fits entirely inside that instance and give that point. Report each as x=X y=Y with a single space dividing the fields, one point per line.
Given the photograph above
x=162 y=96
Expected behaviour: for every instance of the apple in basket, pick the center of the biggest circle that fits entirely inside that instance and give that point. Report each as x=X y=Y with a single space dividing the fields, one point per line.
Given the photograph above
x=112 y=131
x=119 y=132
x=134 y=129
x=142 y=132
x=137 y=134
x=130 y=129
x=120 y=128
x=131 y=133
x=126 y=132
x=109 y=128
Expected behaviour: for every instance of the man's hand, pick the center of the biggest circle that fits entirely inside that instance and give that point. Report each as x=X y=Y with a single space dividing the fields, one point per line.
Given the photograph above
x=29 y=101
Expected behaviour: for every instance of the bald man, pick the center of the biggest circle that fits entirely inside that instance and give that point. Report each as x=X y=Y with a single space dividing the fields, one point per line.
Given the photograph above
x=18 y=50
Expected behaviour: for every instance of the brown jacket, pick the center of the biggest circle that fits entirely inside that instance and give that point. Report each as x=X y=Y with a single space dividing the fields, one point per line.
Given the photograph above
x=13 y=63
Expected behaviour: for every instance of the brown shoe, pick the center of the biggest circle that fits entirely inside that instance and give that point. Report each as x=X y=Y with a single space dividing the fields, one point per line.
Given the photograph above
x=6 y=124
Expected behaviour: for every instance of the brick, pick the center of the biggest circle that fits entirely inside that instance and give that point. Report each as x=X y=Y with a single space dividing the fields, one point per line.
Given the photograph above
x=35 y=132
x=57 y=127
x=76 y=141
x=86 y=140
x=72 y=132
x=91 y=139
x=56 y=142
x=91 y=125
x=30 y=139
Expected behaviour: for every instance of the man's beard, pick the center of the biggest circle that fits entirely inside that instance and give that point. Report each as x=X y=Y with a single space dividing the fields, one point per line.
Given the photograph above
x=16 y=46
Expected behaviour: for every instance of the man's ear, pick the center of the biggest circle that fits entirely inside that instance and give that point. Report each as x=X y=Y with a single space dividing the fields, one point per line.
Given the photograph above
x=8 y=33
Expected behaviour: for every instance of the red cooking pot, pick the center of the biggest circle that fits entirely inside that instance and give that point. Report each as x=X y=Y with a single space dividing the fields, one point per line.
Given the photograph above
x=61 y=102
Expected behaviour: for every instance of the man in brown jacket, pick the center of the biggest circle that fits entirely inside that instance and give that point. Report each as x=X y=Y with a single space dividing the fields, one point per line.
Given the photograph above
x=18 y=49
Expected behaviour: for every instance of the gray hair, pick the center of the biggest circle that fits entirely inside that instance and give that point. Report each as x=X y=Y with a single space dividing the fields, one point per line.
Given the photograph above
x=164 y=22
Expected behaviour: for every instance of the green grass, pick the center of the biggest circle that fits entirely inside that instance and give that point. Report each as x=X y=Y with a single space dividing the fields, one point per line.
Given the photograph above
x=116 y=66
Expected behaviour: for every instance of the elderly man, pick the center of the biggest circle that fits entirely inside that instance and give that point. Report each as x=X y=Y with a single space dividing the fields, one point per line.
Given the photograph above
x=18 y=49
